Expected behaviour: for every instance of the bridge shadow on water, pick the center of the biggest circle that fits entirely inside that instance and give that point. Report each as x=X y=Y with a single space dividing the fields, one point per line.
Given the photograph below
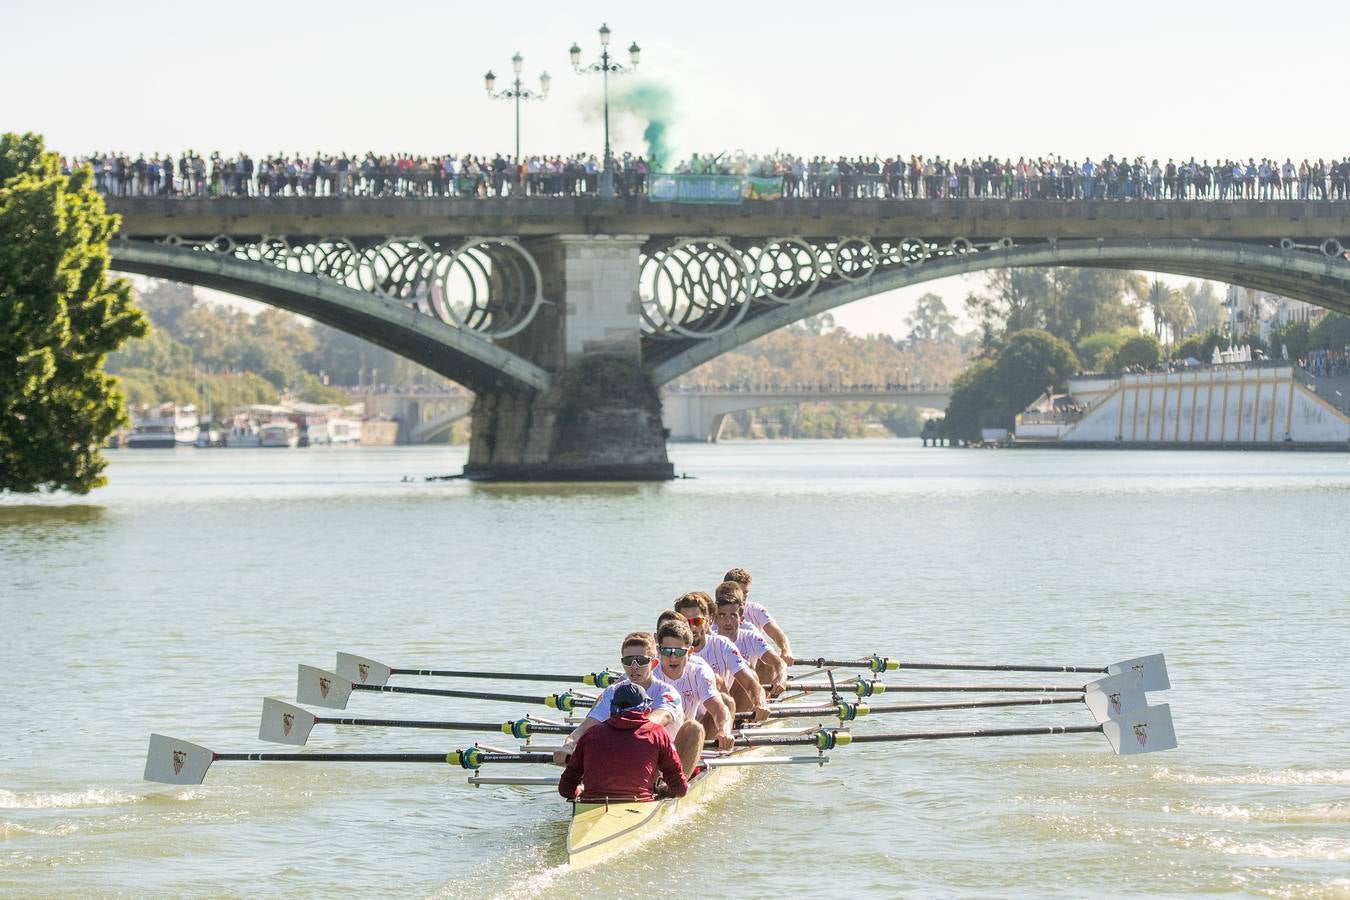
x=560 y=490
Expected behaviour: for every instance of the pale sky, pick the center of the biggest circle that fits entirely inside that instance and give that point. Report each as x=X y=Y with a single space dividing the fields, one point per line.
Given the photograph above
x=973 y=78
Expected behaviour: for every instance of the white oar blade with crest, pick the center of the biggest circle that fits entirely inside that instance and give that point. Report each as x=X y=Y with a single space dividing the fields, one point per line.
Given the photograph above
x=285 y=723
x=319 y=687
x=1153 y=666
x=176 y=762
x=362 y=670
x=1115 y=695
x=1144 y=731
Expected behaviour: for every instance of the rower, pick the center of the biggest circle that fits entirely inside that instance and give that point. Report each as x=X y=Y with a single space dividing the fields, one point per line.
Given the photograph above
x=736 y=675
x=705 y=711
x=621 y=758
x=729 y=620
x=757 y=614
x=638 y=657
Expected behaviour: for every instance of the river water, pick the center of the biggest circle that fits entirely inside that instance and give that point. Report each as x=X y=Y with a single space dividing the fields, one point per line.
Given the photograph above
x=176 y=598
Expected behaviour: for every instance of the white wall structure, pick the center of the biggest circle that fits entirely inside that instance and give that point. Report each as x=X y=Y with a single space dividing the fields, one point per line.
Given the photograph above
x=1218 y=406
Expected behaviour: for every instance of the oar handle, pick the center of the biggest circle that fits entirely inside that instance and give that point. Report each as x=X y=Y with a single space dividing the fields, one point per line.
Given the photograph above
x=829 y=739
x=519 y=728
x=597 y=679
x=470 y=758
x=879 y=687
x=847 y=711
x=886 y=664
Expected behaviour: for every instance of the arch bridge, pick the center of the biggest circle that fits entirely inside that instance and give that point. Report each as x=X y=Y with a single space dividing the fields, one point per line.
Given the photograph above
x=519 y=299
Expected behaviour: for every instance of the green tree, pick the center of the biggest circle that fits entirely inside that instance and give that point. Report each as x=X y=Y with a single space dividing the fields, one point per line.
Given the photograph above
x=1098 y=349
x=1200 y=346
x=1031 y=362
x=60 y=316
x=1140 y=350
x=973 y=398
x=1207 y=309
x=931 y=321
x=1331 y=333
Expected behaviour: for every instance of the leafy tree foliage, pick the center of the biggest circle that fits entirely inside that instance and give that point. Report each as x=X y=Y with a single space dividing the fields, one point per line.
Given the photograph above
x=1098 y=350
x=1140 y=350
x=1331 y=333
x=1070 y=304
x=60 y=316
x=992 y=391
x=931 y=321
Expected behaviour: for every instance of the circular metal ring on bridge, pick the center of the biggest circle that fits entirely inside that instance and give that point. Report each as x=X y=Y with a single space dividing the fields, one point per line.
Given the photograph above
x=1005 y=243
x=400 y=269
x=491 y=285
x=853 y=259
x=960 y=245
x=786 y=269
x=1287 y=244
x=333 y=257
x=221 y=243
x=171 y=240
x=914 y=251
x=273 y=249
x=1332 y=248
x=695 y=288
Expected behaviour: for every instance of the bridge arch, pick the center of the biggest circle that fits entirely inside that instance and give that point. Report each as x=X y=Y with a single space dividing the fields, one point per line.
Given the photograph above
x=453 y=352
x=1305 y=273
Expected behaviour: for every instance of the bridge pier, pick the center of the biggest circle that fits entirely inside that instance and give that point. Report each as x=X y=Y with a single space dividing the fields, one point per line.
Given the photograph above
x=601 y=418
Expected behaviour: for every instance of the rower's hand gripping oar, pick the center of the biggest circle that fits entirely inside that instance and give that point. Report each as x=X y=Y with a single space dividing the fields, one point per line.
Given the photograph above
x=284 y=723
x=361 y=670
x=173 y=761
x=319 y=687
x=1153 y=666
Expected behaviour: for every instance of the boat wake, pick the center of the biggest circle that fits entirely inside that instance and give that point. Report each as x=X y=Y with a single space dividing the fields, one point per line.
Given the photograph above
x=67 y=799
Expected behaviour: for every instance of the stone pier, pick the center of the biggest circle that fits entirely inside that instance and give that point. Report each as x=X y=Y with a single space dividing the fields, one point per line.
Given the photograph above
x=601 y=419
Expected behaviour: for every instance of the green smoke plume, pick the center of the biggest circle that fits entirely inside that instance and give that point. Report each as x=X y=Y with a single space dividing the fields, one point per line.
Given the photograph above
x=655 y=104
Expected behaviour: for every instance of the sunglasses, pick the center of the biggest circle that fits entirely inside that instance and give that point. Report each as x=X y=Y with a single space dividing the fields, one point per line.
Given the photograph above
x=676 y=652
x=696 y=620
x=636 y=660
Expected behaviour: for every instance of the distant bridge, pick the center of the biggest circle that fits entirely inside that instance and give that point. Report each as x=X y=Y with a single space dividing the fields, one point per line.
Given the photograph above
x=700 y=415
x=506 y=296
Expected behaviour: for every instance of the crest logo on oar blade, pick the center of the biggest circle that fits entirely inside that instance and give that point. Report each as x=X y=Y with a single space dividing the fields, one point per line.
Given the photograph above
x=1115 y=701
x=364 y=669
x=286 y=720
x=179 y=757
x=324 y=685
x=1141 y=734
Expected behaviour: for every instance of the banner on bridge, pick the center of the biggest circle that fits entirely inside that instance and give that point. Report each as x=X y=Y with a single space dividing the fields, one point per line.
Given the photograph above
x=728 y=189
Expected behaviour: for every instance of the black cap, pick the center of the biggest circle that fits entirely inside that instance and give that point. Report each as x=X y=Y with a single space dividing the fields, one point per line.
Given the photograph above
x=627 y=696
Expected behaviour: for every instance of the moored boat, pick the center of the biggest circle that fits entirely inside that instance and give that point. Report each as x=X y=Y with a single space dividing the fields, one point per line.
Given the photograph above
x=167 y=426
x=279 y=434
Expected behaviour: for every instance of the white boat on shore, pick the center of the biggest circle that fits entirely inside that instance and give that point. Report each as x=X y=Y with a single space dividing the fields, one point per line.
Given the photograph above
x=279 y=434
x=166 y=427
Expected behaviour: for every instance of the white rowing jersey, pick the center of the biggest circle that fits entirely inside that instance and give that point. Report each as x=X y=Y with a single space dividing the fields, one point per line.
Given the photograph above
x=751 y=643
x=757 y=614
x=663 y=696
x=696 y=686
x=722 y=655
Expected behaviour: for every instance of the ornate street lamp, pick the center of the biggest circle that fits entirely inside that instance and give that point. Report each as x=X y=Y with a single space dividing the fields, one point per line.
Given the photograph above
x=605 y=66
x=517 y=93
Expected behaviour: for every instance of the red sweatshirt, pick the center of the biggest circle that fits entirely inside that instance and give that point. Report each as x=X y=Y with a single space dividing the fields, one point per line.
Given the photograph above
x=619 y=759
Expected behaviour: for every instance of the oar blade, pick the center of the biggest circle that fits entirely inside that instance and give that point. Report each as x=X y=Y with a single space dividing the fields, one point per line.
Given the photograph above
x=319 y=687
x=362 y=670
x=172 y=761
x=1153 y=666
x=1145 y=731
x=1115 y=695
x=284 y=723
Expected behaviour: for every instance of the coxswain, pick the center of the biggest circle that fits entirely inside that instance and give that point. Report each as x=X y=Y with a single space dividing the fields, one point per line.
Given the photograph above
x=620 y=758
x=757 y=614
x=738 y=678
x=706 y=712
x=729 y=621
x=638 y=658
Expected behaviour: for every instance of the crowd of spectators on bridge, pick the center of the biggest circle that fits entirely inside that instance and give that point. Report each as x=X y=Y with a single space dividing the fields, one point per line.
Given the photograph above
x=1327 y=363
x=861 y=177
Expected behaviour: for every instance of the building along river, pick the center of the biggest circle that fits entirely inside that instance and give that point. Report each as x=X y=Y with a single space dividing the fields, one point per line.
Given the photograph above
x=176 y=598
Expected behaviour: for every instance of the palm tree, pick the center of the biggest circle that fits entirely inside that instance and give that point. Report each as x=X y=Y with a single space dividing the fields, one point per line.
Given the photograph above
x=1171 y=313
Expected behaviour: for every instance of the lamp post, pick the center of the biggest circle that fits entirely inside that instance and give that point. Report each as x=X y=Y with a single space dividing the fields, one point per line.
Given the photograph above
x=517 y=93
x=605 y=66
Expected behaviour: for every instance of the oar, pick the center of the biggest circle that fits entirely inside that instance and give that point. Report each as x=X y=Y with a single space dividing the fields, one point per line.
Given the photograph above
x=284 y=723
x=173 y=761
x=319 y=687
x=869 y=688
x=1145 y=731
x=362 y=670
x=1106 y=698
x=1153 y=666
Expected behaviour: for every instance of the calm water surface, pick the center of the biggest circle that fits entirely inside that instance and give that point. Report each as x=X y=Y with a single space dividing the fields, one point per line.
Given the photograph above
x=175 y=599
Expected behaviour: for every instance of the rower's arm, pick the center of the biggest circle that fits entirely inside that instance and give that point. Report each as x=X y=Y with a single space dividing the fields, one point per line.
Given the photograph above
x=750 y=684
x=777 y=672
x=721 y=718
x=779 y=637
x=662 y=717
x=570 y=742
